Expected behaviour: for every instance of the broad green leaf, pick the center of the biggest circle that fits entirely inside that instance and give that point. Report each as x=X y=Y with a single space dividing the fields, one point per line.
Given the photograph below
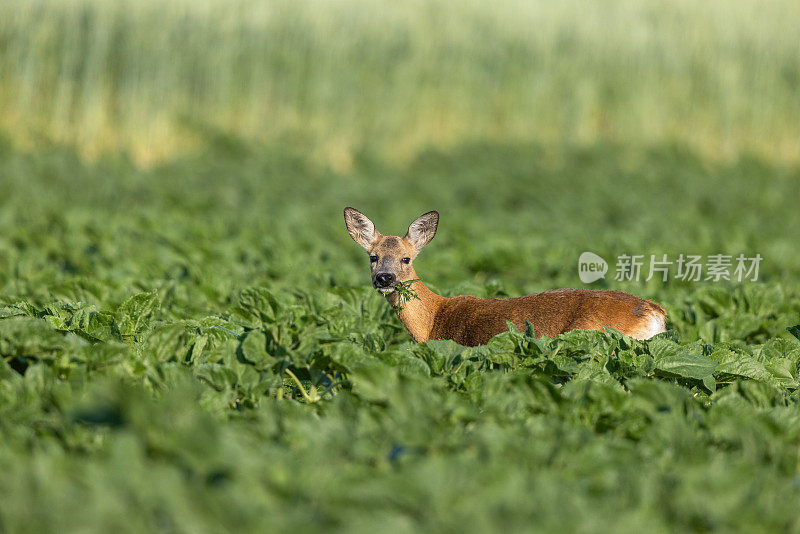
x=170 y=342
x=741 y=365
x=254 y=350
x=672 y=359
x=134 y=315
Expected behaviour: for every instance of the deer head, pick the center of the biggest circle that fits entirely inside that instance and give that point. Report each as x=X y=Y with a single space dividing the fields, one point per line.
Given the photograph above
x=391 y=257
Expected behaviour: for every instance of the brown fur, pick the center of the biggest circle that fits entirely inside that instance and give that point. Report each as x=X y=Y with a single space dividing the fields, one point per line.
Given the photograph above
x=472 y=321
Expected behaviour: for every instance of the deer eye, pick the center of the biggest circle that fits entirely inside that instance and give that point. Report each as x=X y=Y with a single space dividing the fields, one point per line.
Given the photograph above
x=406 y=260
x=373 y=259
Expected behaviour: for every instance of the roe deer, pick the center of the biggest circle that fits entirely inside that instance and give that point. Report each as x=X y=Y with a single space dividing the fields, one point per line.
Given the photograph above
x=472 y=321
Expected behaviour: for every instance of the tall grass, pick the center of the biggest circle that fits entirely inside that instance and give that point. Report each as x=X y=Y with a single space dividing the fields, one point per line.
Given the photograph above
x=153 y=77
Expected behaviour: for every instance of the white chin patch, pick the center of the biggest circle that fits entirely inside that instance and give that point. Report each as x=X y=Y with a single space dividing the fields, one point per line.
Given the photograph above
x=385 y=290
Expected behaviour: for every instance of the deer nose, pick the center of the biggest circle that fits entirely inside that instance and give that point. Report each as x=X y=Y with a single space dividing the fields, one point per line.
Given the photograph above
x=384 y=279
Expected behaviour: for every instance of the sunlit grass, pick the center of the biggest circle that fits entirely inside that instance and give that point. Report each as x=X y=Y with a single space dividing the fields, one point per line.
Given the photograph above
x=153 y=78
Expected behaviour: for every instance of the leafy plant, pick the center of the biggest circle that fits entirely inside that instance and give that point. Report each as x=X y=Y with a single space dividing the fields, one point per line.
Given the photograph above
x=405 y=292
x=196 y=347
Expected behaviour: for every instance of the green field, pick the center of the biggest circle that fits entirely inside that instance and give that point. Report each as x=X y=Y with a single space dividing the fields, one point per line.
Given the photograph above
x=189 y=338
x=149 y=77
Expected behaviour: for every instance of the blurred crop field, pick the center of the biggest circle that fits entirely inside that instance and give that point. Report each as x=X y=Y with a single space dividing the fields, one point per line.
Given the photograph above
x=189 y=341
x=150 y=77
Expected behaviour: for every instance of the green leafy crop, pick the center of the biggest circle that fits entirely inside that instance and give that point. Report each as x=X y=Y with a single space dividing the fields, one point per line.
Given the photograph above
x=197 y=348
x=405 y=292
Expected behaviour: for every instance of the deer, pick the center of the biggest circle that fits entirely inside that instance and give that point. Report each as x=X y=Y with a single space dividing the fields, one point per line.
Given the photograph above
x=472 y=321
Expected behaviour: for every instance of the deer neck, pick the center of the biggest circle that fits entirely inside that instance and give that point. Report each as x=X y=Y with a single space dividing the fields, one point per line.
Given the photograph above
x=417 y=315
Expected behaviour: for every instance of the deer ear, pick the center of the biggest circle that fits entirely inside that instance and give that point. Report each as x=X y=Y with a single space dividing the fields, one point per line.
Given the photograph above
x=360 y=227
x=422 y=230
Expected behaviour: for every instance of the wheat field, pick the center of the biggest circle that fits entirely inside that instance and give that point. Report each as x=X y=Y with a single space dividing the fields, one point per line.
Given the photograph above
x=156 y=79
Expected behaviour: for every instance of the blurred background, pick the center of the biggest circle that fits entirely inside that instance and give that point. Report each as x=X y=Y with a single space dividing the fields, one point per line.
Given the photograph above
x=340 y=77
